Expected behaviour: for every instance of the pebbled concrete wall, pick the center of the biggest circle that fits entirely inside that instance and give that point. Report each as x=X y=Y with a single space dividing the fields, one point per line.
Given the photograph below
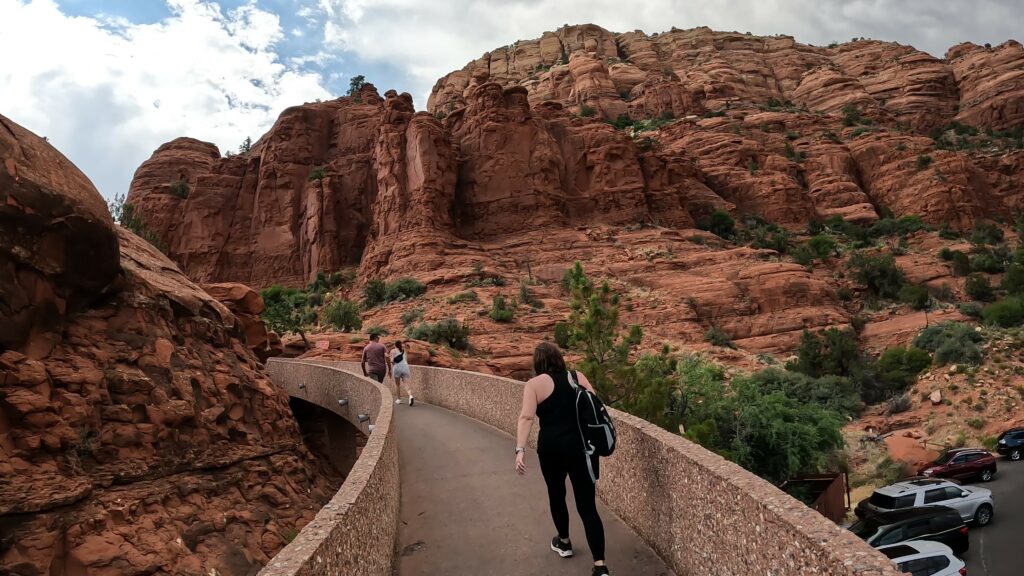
x=701 y=513
x=354 y=533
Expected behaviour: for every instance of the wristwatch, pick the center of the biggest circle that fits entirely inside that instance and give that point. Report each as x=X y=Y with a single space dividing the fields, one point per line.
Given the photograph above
x=520 y=449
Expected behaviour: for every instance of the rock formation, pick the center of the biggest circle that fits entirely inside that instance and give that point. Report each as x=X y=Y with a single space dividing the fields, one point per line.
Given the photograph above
x=517 y=142
x=138 y=434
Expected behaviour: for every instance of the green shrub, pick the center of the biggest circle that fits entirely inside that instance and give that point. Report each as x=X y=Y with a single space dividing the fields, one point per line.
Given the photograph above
x=404 y=289
x=976 y=423
x=823 y=246
x=831 y=392
x=947 y=233
x=832 y=353
x=970 y=309
x=718 y=337
x=844 y=294
x=587 y=111
x=526 y=296
x=897 y=227
x=412 y=315
x=986 y=262
x=1006 y=313
x=317 y=174
x=343 y=315
x=377 y=292
x=622 y=122
x=562 y=335
x=898 y=404
x=720 y=223
x=923 y=161
x=858 y=323
x=979 y=288
x=951 y=342
x=898 y=368
x=500 y=311
x=464 y=296
x=878 y=273
x=374 y=293
x=961 y=263
x=986 y=233
x=1013 y=280
x=377 y=331
x=916 y=296
x=802 y=255
x=946 y=254
x=180 y=189
x=448 y=331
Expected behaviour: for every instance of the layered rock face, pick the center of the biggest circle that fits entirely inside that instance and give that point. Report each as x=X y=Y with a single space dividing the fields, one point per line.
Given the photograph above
x=138 y=434
x=517 y=142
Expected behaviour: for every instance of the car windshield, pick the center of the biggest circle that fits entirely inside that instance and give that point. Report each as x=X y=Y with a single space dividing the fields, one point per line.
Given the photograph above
x=865 y=528
x=943 y=459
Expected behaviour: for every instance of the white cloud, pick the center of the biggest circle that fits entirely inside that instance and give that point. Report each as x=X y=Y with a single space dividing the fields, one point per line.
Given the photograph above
x=428 y=40
x=107 y=92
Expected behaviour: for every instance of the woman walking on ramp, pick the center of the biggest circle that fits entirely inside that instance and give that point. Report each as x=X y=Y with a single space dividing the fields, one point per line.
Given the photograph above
x=551 y=397
x=400 y=370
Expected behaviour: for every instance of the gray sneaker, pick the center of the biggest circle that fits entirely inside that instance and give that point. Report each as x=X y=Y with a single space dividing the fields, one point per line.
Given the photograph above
x=563 y=549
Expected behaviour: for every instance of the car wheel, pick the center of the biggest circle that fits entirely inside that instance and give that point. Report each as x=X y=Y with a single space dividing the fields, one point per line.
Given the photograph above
x=1015 y=455
x=986 y=475
x=983 y=515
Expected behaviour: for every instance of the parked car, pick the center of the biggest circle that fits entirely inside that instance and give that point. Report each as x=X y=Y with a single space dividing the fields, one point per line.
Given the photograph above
x=925 y=558
x=1011 y=444
x=935 y=523
x=962 y=463
x=974 y=504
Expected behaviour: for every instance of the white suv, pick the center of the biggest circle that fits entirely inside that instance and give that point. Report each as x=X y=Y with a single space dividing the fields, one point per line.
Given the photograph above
x=974 y=504
x=924 y=558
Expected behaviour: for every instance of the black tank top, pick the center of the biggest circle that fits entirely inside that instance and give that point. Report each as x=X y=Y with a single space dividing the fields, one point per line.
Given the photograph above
x=559 y=427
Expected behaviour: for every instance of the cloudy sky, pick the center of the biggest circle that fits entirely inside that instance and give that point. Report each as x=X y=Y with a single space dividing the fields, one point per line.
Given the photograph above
x=107 y=81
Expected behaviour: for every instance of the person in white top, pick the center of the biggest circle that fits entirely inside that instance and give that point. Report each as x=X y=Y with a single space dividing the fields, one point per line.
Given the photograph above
x=400 y=370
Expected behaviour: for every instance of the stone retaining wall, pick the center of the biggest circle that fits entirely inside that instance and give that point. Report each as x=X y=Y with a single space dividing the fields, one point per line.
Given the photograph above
x=354 y=533
x=701 y=513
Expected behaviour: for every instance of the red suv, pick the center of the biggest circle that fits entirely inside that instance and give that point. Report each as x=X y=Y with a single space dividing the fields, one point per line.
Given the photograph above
x=962 y=464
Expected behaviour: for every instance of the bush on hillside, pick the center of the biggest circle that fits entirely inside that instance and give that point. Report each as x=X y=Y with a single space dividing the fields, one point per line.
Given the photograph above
x=718 y=337
x=343 y=315
x=951 y=342
x=970 y=309
x=465 y=296
x=449 y=332
x=500 y=310
x=822 y=245
x=986 y=233
x=1013 y=279
x=898 y=367
x=961 y=263
x=377 y=292
x=878 y=273
x=917 y=297
x=979 y=288
x=720 y=223
x=1006 y=313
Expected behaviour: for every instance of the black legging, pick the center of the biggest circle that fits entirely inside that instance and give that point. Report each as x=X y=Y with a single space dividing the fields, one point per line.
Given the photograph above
x=555 y=467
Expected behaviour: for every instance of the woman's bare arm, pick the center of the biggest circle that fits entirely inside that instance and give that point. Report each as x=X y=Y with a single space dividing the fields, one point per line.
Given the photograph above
x=526 y=417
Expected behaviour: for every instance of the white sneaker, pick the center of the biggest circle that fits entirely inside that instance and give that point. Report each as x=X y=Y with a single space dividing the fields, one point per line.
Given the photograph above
x=411 y=400
x=398 y=401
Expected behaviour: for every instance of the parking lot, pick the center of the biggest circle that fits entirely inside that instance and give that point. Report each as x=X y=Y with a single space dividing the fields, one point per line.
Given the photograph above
x=996 y=549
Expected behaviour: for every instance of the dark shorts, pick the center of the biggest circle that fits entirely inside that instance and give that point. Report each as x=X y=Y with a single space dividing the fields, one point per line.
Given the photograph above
x=377 y=377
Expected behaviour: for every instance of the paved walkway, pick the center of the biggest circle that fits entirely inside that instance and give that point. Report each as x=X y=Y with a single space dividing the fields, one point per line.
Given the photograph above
x=465 y=512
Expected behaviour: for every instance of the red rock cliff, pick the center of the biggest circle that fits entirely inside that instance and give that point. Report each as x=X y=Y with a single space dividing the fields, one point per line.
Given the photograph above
x=138 y=435
x=517 y=142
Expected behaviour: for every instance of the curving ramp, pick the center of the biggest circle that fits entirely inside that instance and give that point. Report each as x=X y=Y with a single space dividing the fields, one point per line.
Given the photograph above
x=671 y=507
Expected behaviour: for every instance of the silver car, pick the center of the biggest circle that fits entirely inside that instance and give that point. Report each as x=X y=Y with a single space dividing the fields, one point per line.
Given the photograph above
x=924 y=558
x=974 y=504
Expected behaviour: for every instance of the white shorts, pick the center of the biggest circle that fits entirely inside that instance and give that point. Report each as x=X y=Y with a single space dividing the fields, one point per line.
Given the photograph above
x=401 y=371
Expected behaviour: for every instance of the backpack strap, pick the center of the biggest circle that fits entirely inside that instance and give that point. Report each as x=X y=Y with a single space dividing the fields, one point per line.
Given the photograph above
x=572 y=380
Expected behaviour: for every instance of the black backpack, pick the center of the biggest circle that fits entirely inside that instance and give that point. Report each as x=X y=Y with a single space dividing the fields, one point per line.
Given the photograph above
x=596 y=427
